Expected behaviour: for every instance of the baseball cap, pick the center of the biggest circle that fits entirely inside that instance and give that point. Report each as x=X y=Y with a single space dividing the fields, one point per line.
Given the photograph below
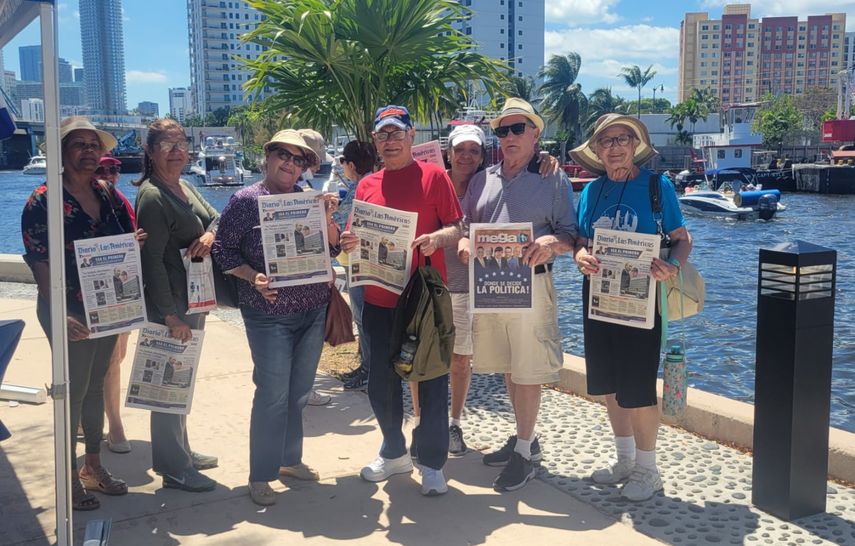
x=108 y=161
x=398 y=116
x=466 y=133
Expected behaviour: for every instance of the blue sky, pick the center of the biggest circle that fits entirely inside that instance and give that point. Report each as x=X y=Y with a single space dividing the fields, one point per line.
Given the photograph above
x=608 y=34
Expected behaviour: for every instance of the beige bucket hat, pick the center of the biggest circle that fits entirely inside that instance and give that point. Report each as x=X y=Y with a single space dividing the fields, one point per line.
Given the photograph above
x=77 y=123
x=584 y=155
x=292 y=137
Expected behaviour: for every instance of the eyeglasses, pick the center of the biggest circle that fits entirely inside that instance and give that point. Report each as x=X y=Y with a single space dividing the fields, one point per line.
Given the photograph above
x=112 y=170
x=610 y=142
x=81 y=145
x=516 y=128
x=383 y=136
x=284 y=155
x=167 y=146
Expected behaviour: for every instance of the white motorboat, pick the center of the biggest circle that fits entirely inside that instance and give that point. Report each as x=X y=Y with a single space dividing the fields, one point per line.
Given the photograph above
x=750 y=205
x=218 y=163
x=37 y=165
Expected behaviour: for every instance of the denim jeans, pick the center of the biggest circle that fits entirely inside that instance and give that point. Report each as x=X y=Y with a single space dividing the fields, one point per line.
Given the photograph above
x=285 y=353
x=385 y=392
x=357 y=303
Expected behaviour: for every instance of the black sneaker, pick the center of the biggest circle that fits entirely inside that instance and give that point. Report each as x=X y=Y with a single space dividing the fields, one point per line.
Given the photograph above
x=456 y=445
x=358 y=382
x=515 y=475
x=414 y=446
x=352 y=373
x=503 y=455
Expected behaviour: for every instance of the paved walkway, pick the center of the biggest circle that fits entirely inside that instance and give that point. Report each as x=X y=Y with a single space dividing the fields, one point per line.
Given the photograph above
x=707 y=485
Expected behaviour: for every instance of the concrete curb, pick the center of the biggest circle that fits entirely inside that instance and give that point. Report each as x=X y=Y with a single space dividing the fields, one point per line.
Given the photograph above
x=14 y=269
x=720 y=419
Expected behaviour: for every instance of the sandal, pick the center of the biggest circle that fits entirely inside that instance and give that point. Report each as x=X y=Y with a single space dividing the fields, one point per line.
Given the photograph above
x=104 y=482
x=81 y=499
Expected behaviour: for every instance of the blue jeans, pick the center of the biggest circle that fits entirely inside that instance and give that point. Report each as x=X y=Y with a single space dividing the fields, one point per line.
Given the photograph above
x=285 y=353
x=385 y=392
x=357 y=303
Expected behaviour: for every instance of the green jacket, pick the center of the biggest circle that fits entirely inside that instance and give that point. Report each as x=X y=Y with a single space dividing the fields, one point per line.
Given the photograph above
x=171 y=225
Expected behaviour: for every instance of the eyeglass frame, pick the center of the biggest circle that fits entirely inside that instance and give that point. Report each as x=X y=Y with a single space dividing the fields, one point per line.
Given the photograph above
x=387 y=135
x=612 y=141
x=181 y=145
x=502 y=131
x=299 y=160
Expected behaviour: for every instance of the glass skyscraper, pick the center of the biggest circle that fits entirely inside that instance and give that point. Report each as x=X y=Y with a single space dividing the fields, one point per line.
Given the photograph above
x=103 y=46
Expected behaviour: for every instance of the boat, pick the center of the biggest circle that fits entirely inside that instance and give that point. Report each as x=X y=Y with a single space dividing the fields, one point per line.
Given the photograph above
x=579 y=177
x=218 y=163
x=751 y=204
x=37 y=165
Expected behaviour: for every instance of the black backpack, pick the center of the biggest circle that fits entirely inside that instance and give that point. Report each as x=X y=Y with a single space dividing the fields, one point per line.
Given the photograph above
x=424 y=312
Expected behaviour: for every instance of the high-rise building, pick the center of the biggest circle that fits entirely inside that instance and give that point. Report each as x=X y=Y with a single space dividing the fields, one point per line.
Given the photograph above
x=740 y=58
x=9 y=79
x=180 y=103
x=849 y=52
x=78 y=74
x=103 y=45
x=33 y=110
x=148 y=109
x=65 y=72
x=214 y=30
x=2 y=71
x=509 y=30
x=30 y=60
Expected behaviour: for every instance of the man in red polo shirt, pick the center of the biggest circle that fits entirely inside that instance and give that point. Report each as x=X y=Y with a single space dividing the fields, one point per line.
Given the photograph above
x=414 y=186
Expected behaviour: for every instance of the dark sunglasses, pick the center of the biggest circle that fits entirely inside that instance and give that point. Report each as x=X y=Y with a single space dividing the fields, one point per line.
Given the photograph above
x=112 y=170
x=516 y=128
x=285 y=155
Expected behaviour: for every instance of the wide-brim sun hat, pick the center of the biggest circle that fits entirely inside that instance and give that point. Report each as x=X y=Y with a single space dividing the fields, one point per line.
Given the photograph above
x=467 y=133
x=294 y=138
x=81 y=123
x=315 y=140
x=515 y=106
x=585 y=156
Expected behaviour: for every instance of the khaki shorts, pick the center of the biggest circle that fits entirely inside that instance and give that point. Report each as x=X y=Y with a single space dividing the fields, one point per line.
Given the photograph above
x=462 y=324
x=526 y=345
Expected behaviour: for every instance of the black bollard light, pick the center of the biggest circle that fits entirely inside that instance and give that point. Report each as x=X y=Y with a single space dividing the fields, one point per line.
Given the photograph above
x=795 y=327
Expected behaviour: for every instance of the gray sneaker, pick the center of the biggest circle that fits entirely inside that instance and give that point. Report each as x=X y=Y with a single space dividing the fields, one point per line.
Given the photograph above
x=190 y=480
x=203 y=462
x=642 y=485
x=456 y=445
x=615 y=473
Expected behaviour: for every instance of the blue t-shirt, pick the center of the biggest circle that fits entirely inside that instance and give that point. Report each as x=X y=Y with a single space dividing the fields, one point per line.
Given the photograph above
x=625 y=206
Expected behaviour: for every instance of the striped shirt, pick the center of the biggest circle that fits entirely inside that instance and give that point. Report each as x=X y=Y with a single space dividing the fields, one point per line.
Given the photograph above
x=527 y=197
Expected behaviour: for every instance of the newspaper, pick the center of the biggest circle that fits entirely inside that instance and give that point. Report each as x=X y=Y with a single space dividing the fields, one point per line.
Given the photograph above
x=498 y=280
x=111 y=282
x=201 y=294
x=295 y=240
x=429 y=152
x=622 y=291
x=164 y=372
x=384 y=257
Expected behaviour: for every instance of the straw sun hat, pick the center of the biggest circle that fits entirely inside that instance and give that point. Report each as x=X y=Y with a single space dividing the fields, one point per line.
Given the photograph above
x=584 y=155
x=77 y=123
x=292 y=137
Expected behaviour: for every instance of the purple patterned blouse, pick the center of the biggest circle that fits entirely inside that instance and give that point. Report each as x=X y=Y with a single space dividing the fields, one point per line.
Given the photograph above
x=238 y=242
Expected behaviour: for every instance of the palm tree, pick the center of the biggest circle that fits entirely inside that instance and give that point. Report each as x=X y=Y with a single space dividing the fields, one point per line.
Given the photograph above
x=602 y=102
x=523 y=88
x=333 y=62
x=561 y=97
x=635 y=78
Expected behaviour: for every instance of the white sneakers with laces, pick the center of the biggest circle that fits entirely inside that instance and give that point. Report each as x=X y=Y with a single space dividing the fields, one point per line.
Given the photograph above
x=616 y=473
x=433 y=482
x=381 y=469
x=643 y=484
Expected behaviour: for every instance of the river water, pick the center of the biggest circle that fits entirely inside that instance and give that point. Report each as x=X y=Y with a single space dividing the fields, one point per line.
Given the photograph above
x=721 y=340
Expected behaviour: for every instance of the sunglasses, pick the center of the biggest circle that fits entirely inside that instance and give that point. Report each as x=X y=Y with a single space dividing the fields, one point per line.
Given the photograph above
x=286 y=156
x=516 y=128
x=167 y=146
x=115 y=169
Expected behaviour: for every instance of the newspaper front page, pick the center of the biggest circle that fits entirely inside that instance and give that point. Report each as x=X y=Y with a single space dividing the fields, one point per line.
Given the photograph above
x=111 y=282
x=429 y=152
x=201 y=295
x=623 y=291
x=294 y=235
x=383 y=257
x=164 y=372
x=498 y=280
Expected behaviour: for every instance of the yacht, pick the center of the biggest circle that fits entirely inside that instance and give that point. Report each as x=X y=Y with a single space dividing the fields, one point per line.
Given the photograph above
x=739 y=205
x=219 y=163
x=37 y=165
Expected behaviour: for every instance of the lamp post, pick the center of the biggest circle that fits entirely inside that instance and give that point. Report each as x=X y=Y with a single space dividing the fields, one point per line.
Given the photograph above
x=661 y=90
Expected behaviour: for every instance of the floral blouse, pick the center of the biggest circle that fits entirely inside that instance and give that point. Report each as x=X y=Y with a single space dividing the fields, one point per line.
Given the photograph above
x=112 y=220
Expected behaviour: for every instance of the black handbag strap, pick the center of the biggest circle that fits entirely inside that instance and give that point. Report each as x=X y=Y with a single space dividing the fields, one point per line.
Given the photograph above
x=656 y=205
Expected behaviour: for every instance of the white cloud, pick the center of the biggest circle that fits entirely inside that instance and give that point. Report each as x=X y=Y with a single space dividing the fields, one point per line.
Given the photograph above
x=140 y=76
x=800 y=8
x=640 y=44
x=575 y=12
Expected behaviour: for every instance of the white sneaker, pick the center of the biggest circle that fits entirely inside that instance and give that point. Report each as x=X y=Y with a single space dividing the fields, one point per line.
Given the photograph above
x=318 y=399
x=642 y=485
x=433 y=482
x=381 y=469
x=615 y=473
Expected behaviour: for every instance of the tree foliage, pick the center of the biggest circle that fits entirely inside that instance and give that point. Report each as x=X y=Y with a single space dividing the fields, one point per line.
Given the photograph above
x=521 y=87
x=778 y=120
x=333 y=62
x=635 y=78
x=602 y=102
x=562 y=98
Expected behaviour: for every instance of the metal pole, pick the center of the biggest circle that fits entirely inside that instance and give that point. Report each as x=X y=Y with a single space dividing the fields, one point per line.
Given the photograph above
x=56 y=245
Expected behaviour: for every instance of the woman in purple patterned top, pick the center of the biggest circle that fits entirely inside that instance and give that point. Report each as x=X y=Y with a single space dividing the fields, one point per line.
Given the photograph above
x=284 y=326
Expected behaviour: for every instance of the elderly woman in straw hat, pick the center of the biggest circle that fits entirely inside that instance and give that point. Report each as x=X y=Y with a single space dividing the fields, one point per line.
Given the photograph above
x=626 y=372
x=284 y=326
x=92 y=209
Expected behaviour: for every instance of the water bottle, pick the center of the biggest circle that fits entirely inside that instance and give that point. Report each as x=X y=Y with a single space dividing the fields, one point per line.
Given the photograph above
x=408 y=352
x=676 y=381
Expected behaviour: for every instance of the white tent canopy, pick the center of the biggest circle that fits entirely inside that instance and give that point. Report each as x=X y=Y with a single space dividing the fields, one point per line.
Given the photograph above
x=15 y=15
